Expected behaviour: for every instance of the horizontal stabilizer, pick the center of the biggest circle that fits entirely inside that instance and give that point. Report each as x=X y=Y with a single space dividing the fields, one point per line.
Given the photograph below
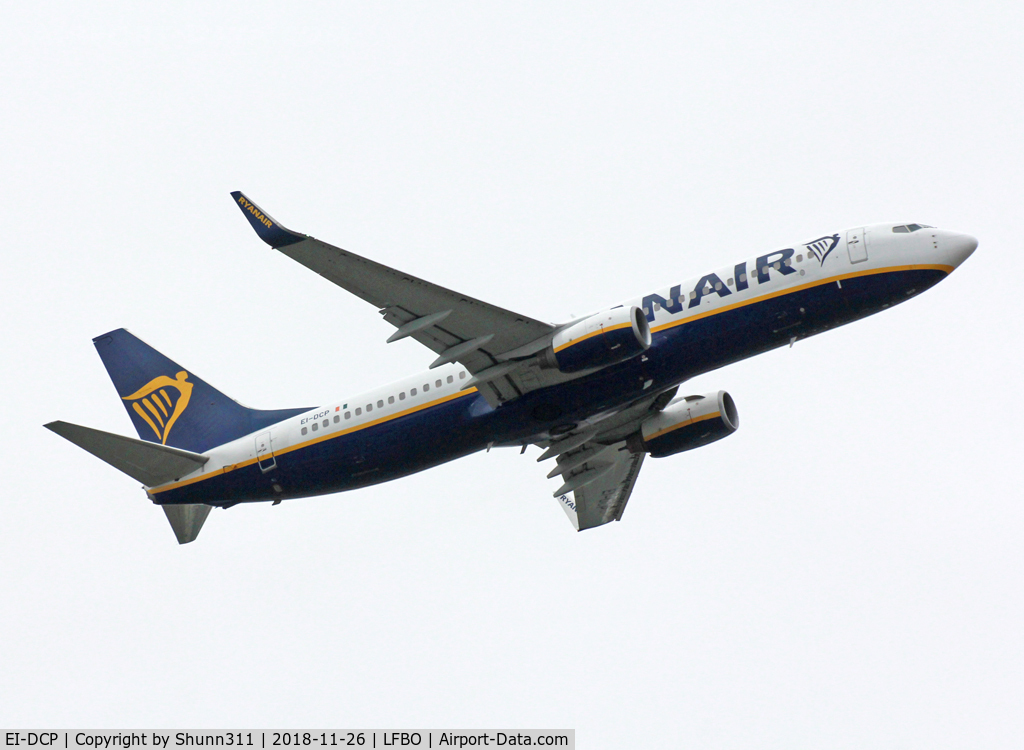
x=186 y=520
x=150 y=463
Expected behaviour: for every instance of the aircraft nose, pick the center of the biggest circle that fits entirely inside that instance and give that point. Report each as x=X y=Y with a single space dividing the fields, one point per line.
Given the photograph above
x=960 y=247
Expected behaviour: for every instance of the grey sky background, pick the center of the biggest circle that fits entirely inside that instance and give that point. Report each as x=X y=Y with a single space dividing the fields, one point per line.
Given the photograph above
x=844 y=571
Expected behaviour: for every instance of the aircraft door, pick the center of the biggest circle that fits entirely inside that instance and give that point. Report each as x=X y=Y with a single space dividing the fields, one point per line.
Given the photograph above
x=857 y=245
x=265 y=453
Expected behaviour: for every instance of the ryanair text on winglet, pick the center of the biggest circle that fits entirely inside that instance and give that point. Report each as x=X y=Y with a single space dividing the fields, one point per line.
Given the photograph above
x=254 y=211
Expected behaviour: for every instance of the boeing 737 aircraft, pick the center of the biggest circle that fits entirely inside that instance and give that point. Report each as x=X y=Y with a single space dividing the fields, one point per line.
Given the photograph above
x=598 y=393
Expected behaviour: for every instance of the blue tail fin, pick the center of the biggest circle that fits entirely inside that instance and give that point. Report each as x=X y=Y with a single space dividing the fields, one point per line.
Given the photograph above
x=169 y=404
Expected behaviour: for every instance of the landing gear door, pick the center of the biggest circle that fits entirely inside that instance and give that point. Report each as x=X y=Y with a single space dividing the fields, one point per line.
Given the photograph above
x=265 y=453
x=857 y=245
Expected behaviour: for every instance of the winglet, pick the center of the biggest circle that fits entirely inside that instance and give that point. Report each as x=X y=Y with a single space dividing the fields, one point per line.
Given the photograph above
x=267 y=228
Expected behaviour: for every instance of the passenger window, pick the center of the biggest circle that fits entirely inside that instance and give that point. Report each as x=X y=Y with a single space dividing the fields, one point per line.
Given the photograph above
x=776 y=265
x=369 y=408
x=437 y=384
x=426 y=387
x=693 y=295
x=799 y=259
x=788 y=261
x=359 y=410
x=327 y=423
x=743 y=278
x=348 y=415
x=380 y=404
x=718 y=286
x=462 y=375
x=304 y=430
x=391 y=399
x=412 y=391
x=450 y=378
x=315 y=426
x=401 y=396
x=729 y=281
x=657 y=306
x=336 y=419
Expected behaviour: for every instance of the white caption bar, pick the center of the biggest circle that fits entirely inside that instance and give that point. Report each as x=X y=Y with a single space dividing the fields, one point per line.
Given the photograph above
x=277 y=739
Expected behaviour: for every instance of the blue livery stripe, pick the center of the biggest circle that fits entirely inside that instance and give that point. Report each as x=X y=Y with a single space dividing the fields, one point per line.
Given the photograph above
x=320 y=439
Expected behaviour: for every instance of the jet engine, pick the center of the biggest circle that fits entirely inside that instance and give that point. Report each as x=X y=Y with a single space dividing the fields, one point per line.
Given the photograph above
x=603 y=339
x=685 y=424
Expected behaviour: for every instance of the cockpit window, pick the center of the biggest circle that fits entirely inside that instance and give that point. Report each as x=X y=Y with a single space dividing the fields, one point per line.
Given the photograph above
x=905 y=228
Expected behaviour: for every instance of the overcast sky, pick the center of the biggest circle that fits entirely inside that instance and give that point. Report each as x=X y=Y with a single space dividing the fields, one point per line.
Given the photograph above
x=846 y=571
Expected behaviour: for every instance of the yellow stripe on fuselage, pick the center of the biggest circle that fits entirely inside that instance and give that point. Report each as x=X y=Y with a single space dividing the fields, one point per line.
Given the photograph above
x=319 y=439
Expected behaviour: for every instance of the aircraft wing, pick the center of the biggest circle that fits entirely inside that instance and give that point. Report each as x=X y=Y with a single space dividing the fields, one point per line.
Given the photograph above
x=457 y=327
x=604 y=498
x=595 y=465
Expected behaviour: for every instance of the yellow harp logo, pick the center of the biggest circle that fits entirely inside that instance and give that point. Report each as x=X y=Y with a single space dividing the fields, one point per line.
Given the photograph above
x=161 y=410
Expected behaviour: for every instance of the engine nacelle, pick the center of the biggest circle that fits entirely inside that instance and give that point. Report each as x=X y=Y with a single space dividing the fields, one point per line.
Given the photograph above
x=603 y=339
x=687 y=423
